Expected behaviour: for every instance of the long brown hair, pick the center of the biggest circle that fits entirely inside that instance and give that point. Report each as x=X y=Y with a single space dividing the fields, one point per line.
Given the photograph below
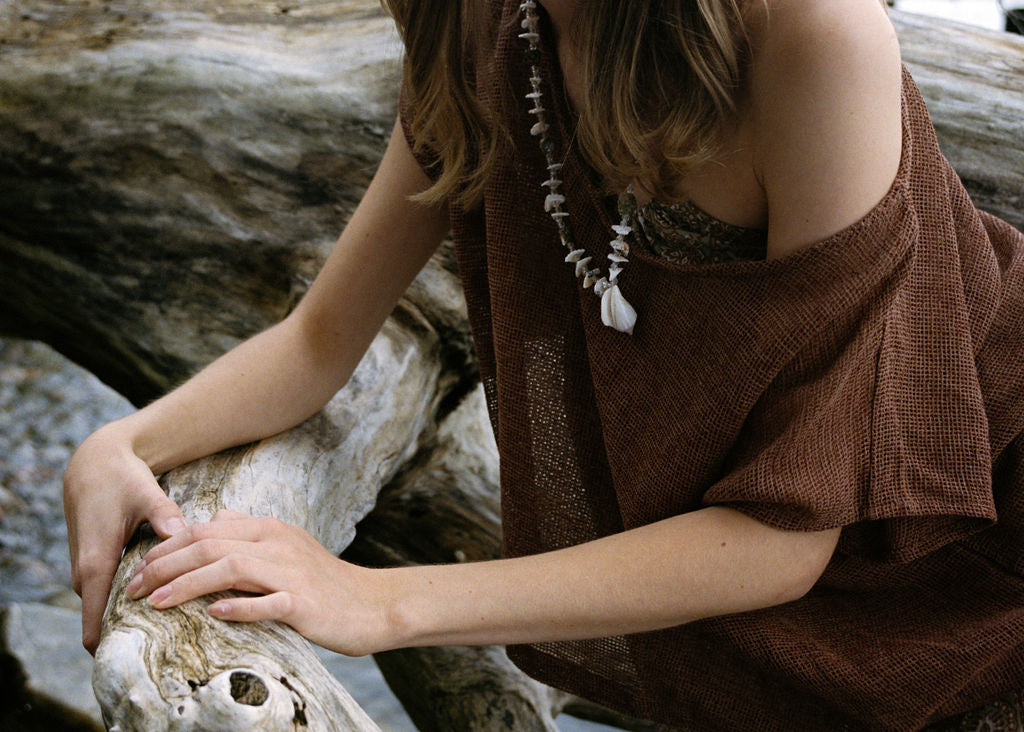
x=653 y=106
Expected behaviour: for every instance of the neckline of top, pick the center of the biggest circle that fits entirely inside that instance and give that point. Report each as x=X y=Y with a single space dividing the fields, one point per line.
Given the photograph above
x=688 y=206
x=567 y=120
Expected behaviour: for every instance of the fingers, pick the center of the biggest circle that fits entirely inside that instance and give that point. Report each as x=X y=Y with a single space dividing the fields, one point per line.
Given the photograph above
x=226 y=515
x=94 y=575
x=211 y=565
x=251 y=529
x=151 y=504
x=108 y=492
x=278 y=606
x=237 y=552
x=233 y=572
x=164 y=516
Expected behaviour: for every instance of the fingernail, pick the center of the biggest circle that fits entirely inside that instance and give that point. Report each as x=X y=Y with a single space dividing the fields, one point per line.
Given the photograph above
x=134 y=585
x=174 y=526
x=219 y=608
x=159 y=595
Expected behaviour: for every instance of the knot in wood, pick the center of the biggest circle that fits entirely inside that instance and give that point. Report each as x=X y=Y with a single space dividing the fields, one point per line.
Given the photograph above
x=248 y=689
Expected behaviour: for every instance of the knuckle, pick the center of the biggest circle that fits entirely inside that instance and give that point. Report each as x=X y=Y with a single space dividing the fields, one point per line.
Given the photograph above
x=91 y=566
x=188 y=535
x=253 y=611
x=199 y=532
x=285 y=605
x=153 y=570
x=244 y=611
x=154 y=499
x=206 y=550
x=269 y=526
x=235 y=565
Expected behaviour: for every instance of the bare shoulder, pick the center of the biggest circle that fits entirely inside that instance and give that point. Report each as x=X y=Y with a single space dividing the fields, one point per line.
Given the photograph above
x=825 y=93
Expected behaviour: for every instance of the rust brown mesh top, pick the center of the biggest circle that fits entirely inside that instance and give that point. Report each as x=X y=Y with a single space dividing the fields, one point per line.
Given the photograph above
x=871 y=381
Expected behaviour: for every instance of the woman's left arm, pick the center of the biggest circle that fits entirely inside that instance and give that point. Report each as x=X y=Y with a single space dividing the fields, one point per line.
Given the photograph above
x=710 y=562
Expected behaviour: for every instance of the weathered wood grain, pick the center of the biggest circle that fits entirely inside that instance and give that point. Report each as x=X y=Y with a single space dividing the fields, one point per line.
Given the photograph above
x=973 y=82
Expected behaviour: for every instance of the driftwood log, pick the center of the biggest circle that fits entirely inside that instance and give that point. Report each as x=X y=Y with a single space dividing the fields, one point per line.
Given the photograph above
x=171 y=177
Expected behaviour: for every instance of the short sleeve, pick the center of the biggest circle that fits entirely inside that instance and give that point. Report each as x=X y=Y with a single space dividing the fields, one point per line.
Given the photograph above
x=877 y=424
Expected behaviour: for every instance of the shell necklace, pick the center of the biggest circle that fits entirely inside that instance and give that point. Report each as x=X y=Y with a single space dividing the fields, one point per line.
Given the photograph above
x=616 y=312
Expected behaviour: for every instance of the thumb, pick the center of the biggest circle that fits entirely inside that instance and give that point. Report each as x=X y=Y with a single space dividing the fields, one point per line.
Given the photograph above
x=164 y=516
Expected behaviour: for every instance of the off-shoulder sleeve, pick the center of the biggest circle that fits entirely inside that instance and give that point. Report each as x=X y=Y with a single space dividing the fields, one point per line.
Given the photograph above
x=848 y=384
x=877 y=424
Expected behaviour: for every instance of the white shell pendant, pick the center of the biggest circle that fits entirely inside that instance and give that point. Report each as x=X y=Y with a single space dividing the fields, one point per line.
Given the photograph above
x=616 y=312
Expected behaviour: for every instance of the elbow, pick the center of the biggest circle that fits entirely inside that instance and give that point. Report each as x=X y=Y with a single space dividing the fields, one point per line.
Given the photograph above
x=809 y=555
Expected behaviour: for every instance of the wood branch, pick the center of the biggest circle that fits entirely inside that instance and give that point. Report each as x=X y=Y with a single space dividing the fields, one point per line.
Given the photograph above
x=173 y=176
x=972 y=81
x=442 y=509
x=185 y=668
x=174 y=173
x=181 y=669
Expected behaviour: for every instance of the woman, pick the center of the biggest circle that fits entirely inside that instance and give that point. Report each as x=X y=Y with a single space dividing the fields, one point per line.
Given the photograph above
x=736 y=494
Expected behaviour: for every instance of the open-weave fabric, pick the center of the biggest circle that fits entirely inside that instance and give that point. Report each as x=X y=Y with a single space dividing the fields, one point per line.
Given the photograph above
x=873 y=381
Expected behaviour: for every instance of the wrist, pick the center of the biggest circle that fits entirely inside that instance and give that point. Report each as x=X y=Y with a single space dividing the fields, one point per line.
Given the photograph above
x=138 y=434
x=100 y=462
x=454 y=604
x=102 y=444
x=116 y=438
x=401 y=607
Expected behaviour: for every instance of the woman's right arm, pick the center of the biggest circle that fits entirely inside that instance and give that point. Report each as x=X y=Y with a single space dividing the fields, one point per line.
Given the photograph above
x=267 y=384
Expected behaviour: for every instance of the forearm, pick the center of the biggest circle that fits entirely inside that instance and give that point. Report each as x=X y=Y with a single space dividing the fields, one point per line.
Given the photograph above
x=263 y=386
x=285 y=374
x=707 y=563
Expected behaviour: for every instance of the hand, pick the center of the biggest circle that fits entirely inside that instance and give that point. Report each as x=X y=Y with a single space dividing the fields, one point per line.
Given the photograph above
x=108 y=492
x=332 y=603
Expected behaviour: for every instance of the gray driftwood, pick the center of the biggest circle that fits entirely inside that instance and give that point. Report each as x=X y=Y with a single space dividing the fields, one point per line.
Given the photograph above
x=973 y=81
x=189 y=671
x=172 y=175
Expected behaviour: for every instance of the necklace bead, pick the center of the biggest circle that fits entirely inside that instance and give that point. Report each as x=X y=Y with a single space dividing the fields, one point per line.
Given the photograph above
x=616 y=312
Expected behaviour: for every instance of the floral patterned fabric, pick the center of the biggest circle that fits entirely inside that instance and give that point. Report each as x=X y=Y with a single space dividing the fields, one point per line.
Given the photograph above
x=686 y=234
x=1005 y=714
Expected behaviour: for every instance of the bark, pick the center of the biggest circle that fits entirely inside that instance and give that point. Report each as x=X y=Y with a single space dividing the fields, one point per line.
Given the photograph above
x=184 y=669
x=174 y=174
x=972 y=81
x=172 y=178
